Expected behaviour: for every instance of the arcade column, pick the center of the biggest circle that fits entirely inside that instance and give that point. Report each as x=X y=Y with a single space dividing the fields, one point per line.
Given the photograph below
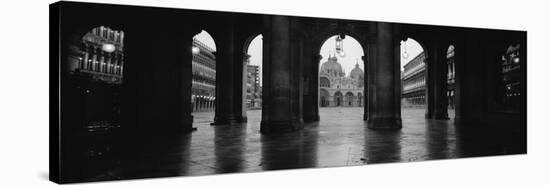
x=471 y=108
x=437 y=80
x=227 y=73
x=157 y=79
x=369 y=57
x=282 y=95
x=384 y=83
x=311 y=89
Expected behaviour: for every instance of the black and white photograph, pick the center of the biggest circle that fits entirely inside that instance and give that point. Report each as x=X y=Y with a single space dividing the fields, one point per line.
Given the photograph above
x=146 y=91
x=154 y=92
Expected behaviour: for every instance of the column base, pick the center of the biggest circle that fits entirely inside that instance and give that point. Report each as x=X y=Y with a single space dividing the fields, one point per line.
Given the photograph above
x=229 y=120
x=441 y=115
x=242 y=119
x=285 y=126
x=185 y=126
x=384 y=123
x=311 y=117
x=475 y=122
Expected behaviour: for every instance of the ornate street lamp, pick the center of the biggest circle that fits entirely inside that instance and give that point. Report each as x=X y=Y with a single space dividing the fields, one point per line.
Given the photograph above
x=405 y=54
x=340 y=45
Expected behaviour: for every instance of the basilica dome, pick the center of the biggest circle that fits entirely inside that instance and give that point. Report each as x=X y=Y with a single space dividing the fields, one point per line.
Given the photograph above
x=357 y=73
x=332 y=67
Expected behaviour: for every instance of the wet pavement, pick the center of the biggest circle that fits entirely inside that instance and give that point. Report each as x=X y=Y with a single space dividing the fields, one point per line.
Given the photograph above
x=339 y=139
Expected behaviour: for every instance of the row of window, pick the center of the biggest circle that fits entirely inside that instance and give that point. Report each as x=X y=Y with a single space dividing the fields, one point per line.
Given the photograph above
x=108 y=34
x=420 y=82
x=107 y=65
x=204 y=61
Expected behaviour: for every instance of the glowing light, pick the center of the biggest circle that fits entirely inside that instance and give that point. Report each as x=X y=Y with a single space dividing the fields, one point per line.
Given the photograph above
x=340 y=46
x=195 y=50
x=108 y=47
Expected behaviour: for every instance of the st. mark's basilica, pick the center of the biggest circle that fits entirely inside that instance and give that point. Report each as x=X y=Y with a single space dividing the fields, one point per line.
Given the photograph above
x=337 y=89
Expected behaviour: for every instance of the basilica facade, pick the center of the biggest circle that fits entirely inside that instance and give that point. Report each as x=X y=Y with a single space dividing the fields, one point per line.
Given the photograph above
x=337 y=89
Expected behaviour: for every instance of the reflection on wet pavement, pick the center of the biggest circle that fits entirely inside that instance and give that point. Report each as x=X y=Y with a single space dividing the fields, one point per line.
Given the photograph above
x=339 y=139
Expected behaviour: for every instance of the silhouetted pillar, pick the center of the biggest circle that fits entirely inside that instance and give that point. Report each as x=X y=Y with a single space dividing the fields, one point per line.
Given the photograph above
x=158 y=80
x=282 y=106
x=369 y=57
x=183 y=66
x=384 y=94
x=227 y=69
x=311 y=91
x=469 y=85
x=437 y=78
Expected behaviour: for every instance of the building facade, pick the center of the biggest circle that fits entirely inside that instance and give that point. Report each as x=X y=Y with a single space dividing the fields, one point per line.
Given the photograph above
x=413 y=80
x=511 y=85
x=203 y=90
x=94 y=82
x=337 y=89
x=100 y=56
x=451 y=71
x=253 y=88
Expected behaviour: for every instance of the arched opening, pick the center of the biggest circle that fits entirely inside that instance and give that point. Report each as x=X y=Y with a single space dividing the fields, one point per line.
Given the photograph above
x=324 y=96
x=451 y=76
x=98 y=68
x=338 y=98
x=349 y=100
x=324 y=82
x=93 y=91
x=413 y=79
x=252 y=76
x=341 y=70
x=203 y=90
x=254 y=73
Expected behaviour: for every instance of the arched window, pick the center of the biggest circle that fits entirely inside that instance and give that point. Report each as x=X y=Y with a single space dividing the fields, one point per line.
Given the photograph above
x=203 y=69
x=338 y=97
x=102 y=55
x=511 y=78
x=324 y=82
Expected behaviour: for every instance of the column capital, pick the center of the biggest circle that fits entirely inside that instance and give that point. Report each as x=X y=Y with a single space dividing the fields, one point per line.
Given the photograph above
x=246 y=57
x=365 y=59
x=318 y=58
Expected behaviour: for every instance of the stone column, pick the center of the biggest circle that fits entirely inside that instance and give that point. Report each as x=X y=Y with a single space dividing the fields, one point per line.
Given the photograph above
x=157 y=83
x=94 y=59
x=109 y=58
x=311 y=98
x=470 y=96
x=384 y=94
x=227 y=71
x=282 y=95
x=86 y=58
x=182 y=63
x=429 y=88
x=368 y=58
x=102 y=61
x=437 y=65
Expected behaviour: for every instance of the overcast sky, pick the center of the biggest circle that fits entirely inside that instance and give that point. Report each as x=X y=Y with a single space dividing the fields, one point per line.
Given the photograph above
x=412 y=47
x=206 y=39
x=352 y=48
